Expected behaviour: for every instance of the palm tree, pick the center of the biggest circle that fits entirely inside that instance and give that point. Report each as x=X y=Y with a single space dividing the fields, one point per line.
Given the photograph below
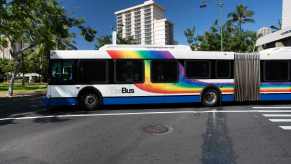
x=277 y=27
x=190 y=34
x=240 y=16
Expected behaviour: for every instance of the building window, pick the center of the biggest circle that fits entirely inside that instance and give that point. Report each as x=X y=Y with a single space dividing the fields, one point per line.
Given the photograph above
x=198 y=69
x=276 y=71
x=129 y=71
x=223 y=69
x=164 y=71
x=93 y=71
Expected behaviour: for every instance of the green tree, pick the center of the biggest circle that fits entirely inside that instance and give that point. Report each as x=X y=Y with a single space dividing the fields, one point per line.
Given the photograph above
x=6 y=66
x=37 y=24
x=190 y=34
x=107 y=39
x=103 y=40
x=233 y=40
x=240 y=16
x=210 y=40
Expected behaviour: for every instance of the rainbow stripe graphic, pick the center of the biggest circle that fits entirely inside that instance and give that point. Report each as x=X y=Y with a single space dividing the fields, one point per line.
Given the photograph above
x=184 y=86
x=276 y=87
x=125 y=54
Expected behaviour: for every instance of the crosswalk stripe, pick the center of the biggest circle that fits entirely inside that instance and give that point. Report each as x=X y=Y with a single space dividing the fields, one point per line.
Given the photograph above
x=277 y=115
x=273 y=111
x=285 y=127
x=280 y=120
x=272 y=107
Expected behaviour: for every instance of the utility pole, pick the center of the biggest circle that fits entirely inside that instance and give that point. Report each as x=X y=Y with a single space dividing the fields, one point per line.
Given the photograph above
x=220 y=5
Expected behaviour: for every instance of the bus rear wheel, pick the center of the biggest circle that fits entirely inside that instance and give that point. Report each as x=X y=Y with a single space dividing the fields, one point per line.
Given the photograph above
x=90 y=101
x=210 y=98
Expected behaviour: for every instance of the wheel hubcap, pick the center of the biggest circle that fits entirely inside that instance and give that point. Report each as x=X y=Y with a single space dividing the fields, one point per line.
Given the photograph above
x=210 y=98
x=90 y=100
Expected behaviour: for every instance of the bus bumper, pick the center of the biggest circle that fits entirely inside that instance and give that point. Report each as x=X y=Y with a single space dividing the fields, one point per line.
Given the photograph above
x=48 y=102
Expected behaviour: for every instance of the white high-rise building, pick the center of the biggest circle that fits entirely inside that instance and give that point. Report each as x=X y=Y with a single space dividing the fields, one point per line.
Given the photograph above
x=146 y=23
x=286 y=14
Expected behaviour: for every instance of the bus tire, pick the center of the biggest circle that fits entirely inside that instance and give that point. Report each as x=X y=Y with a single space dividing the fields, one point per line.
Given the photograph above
x=90 y=101
x=210 y=98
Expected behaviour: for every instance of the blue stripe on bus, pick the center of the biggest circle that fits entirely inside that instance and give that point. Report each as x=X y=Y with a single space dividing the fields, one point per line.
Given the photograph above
x=60 y=101
x=134 y=100
x=275 y=97
x=228 y=98
x=150 y=100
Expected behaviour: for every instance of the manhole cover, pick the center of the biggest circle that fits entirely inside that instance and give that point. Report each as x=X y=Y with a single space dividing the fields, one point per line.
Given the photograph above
x=156 y=129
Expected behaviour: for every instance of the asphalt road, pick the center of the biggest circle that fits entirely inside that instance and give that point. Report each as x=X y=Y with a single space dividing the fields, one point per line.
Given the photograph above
x=233 y=134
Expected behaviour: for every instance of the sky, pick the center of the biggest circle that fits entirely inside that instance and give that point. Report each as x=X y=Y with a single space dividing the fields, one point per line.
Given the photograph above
x=99 y=14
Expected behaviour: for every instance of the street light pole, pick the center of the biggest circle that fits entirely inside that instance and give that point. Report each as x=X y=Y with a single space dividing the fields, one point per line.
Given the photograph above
x=220 y=4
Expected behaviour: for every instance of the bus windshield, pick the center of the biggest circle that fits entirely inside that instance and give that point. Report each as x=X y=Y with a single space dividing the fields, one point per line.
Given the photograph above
x=61 y=72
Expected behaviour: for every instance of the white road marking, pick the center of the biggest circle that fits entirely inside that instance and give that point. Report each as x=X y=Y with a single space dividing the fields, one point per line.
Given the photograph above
x=277 y=115
x=93 y=115
x=273 y=111
x=285 y=127
x=143 y=113
x=280 y=120
x=272 y=107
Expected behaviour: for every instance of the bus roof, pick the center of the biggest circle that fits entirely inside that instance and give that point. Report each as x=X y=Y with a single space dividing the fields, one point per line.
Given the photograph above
x=140 y=52
x=277 y=53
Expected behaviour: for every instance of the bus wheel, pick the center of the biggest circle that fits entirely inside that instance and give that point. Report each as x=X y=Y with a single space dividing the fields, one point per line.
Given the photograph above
x=210 y=98
x=90 y=101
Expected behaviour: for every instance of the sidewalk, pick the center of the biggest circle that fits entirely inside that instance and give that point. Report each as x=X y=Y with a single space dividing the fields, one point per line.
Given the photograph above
x=38 y=93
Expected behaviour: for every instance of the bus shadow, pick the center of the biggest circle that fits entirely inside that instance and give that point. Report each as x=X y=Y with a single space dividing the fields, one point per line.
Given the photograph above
x=50 y=120
x=31 y=106
x=165 y=107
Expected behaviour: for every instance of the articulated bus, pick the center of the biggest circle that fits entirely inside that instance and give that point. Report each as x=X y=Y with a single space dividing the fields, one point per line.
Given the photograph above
x=132 y=74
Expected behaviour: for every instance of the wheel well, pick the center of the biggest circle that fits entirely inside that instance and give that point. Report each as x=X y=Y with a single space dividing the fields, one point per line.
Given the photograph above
x=89 y=90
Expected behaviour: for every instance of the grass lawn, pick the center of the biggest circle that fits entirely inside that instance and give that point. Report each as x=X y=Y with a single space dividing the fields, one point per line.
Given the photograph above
x=19 y=89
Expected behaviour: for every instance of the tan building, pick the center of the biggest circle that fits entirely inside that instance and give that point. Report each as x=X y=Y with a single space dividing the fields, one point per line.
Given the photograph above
x=146 y=23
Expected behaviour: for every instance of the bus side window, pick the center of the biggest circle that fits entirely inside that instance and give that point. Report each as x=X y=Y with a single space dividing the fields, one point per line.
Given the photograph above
x=56 y=71
x=129 y=71
x=262 y=70
x=93 y=71
x=164 y=71
x=223 y=69
x=67 y=71
x=276 y=71
x=62 y=72
x=198 y=69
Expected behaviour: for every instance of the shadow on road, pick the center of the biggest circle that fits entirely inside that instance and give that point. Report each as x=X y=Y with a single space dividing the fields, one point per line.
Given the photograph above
x=217 y=146
x=17 y=107
x=32 y=106
x=50 y=120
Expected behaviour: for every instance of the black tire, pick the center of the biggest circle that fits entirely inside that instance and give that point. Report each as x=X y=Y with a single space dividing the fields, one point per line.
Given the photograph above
x=90 y=101
x=210 y=98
